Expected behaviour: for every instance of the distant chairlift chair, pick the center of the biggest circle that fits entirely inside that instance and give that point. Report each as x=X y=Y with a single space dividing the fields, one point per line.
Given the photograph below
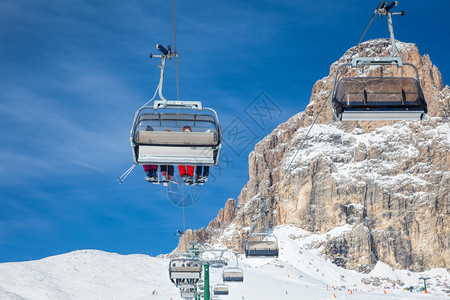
x=232 y=274
x=221 y=289
x=261 y=245
x=187 y=292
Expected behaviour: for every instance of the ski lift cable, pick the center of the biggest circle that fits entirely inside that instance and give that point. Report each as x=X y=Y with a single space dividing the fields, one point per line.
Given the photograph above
x=367 y=28
x=303 y=141
x=275 y=186
x=175 y=44
x=182 y=198
x=122 y=177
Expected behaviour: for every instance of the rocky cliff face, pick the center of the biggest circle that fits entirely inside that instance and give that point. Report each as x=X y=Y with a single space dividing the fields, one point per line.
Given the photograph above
x=389 y=181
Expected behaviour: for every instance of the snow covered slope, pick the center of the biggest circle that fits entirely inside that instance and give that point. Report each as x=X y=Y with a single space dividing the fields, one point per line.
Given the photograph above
x=297 y=274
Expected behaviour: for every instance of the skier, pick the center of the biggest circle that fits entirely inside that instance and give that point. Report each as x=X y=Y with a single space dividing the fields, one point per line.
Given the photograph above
x=167 y=170
x=201 y=177
x=187 y=173
x=201 y=173
x=150 y=170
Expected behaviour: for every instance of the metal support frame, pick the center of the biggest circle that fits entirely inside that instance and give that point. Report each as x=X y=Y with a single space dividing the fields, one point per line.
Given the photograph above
x=199 y=251
x=206 y=282
x=384 y=9
x=166 y=54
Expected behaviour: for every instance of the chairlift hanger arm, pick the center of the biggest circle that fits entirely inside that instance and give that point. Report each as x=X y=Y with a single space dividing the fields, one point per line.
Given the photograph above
x=384 y=9
x=166 y=53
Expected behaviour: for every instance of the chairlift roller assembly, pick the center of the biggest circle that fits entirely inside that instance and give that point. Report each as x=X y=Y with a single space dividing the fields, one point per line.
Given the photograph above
x=378 y=98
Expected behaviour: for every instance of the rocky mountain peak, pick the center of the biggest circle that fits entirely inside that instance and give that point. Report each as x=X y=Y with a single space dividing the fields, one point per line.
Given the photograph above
x=387 y=182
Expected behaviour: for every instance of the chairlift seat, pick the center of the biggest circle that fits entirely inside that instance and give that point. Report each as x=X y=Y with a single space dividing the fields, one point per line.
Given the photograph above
x=176 y=138
x=191 y=269
x=379 y=98
x=175 y=156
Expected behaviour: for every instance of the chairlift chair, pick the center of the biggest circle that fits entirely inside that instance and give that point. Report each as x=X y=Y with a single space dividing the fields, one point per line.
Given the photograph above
x=185 y=270
x=378 y=98
x=232 y=274
x=261 y=245
x=159 y=138
x=221 y=289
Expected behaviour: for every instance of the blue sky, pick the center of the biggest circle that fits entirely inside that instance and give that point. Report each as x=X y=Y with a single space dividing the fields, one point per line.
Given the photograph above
x=73 y=73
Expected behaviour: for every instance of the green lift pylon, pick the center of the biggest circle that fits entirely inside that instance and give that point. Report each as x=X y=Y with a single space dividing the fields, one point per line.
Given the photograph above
x=206 y=282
